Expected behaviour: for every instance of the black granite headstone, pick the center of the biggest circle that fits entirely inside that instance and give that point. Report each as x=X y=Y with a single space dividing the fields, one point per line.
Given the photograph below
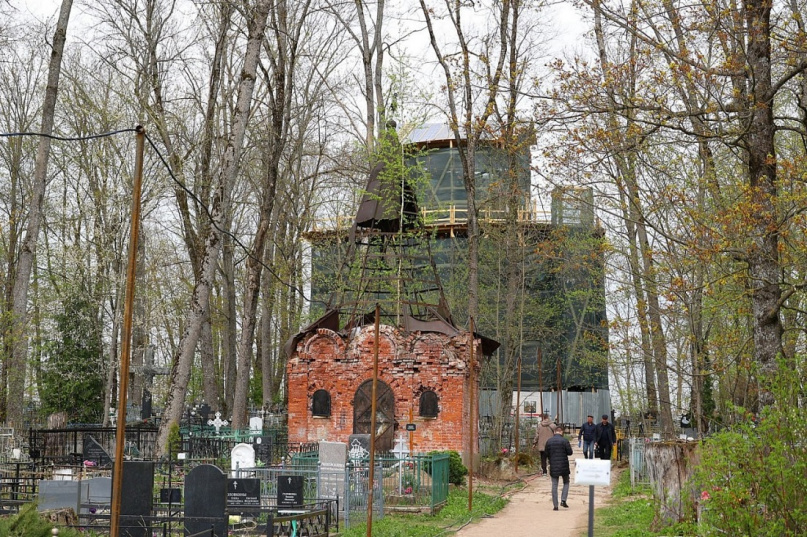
x=290 y=491
x=263 y=449
x=170 y=495
x=244 y=496
x=206 y=500
x=95 y=452
x=137 y=499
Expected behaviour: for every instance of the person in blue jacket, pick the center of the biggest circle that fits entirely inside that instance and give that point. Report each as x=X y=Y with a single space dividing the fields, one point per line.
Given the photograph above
x=587 y=436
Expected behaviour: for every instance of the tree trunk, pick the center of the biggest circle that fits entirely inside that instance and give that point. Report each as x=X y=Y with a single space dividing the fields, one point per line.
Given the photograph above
x=763 y=259
x=183 y=362
x=16 y=364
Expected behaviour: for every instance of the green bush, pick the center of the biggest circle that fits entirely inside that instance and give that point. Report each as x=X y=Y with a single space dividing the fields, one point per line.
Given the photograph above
x=28 y=523
x=751 y=478
x=456 y=470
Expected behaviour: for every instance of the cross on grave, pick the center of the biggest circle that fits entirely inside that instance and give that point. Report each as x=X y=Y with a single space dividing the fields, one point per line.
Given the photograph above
x=218 y=423
x=147 y=371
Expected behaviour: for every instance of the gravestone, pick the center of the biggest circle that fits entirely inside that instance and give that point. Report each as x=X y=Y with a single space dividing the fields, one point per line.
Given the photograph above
x=359 y=446
x=241 y=456
x=206 y=501
x=401 y=448
x=59 y=495
x=244 y=496
x=332 y=463
x=137 y=499
x=96 y=494
x=255 y=425
x=289 y=492
x=170 y=495
x=95 y=452
x=263 y=449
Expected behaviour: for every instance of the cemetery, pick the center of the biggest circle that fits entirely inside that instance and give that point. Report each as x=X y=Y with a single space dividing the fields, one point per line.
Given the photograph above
x=252 y=482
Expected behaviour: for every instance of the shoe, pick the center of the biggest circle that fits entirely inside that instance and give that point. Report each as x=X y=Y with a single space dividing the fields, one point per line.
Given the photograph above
x=554 y=508
x=564 y=504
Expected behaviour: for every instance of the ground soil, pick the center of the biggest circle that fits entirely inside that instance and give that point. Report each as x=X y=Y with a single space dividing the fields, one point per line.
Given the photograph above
x=530 y=513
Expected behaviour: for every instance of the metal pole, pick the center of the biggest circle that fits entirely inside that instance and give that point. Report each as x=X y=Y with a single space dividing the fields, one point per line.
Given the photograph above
x=591 y=511
x=472 y=381
x=518 y=409
x=126 y=337
x=372 y=422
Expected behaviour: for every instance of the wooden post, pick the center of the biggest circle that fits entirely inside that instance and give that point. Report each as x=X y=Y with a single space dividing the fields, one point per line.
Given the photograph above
x=372 y=423
x=471 y=414
x=540 y=384
x=126 y=336
x=518 y=411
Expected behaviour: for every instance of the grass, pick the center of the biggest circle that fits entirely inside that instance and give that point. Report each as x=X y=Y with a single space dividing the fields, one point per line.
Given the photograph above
x=631 y=513
x=451 y=518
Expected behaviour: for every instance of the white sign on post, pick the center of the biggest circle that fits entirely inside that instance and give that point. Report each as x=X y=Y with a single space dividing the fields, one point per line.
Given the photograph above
x=592 y=472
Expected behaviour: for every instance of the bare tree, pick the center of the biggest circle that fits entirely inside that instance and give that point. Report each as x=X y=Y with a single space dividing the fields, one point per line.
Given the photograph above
x=17 y=362
x=183 y=362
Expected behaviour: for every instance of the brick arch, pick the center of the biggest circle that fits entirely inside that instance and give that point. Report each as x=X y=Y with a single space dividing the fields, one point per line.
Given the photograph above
x=324 y=342
x=362 y=344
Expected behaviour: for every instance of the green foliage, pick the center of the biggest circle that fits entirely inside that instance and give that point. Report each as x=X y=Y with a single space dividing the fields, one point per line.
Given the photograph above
x=524 y=459
x=28 y=523
x=174 y=439
x=751 y=477
x=456 y=470
x=73 y=375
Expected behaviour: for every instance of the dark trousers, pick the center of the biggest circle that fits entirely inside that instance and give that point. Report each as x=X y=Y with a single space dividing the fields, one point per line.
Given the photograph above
x=564 y=493
x=604 y=452
x=544 y=457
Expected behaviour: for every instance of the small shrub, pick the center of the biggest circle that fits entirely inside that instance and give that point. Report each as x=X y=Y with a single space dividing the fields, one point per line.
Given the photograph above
x=174 y=439
x=456 y=470
x=523 y=459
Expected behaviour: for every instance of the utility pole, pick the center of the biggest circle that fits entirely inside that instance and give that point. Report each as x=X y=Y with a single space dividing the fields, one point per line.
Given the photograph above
x=126 y=336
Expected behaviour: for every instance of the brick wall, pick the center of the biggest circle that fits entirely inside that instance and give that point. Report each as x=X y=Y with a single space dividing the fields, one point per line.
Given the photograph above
x=409 y=363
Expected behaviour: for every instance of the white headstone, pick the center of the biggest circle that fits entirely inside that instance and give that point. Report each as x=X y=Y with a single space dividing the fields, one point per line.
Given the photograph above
x=255 y=424
x=242 y=456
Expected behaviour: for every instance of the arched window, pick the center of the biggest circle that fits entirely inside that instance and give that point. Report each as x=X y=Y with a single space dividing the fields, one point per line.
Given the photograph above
x=428 y=404
x=321 y=404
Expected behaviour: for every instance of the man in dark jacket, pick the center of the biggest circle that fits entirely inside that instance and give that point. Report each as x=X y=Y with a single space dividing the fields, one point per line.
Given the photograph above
x=587 y=436
x=604 y=438
x=558 y=450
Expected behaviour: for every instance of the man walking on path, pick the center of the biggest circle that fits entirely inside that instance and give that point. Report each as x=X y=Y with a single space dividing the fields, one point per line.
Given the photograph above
x=604 y=438
x=545 y=430
x=587 y=435
x=558 y=450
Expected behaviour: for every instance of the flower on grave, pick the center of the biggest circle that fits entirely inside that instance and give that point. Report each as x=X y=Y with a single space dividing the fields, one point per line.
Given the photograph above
x=504 y=451
x=408 y=490
x=89 y=464
x=705 y=495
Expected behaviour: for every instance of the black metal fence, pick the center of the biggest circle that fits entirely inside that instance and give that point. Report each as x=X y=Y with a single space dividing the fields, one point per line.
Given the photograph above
x=66 y=446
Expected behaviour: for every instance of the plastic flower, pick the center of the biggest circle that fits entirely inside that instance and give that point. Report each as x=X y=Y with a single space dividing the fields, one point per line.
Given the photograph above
x=705 y=495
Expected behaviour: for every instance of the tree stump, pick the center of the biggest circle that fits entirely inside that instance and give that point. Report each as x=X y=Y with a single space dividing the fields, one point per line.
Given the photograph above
x=670 y=467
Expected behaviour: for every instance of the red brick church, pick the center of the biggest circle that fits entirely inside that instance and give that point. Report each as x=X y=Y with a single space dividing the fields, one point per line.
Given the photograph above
x=423 y=376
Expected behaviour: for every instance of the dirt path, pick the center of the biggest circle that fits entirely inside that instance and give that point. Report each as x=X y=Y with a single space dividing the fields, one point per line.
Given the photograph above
x=530 y=513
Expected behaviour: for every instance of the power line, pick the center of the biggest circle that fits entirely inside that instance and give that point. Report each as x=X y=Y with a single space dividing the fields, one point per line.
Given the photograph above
x=179 y=183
